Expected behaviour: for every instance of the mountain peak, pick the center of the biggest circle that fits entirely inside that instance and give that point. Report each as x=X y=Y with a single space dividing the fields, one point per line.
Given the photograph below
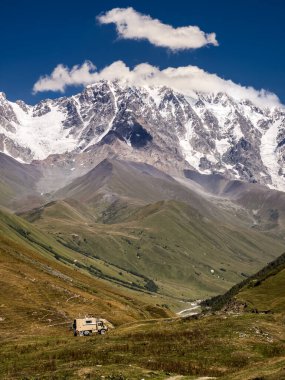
x=2 y=96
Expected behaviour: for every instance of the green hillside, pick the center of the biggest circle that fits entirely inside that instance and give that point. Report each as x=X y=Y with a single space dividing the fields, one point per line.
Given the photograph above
x=240 y=347
x=132 y=253
x=261 y=292
x=43 y=288
x=169 y=242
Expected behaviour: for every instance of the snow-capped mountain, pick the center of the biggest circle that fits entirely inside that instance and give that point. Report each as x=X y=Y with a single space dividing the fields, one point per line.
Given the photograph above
x=211 y=132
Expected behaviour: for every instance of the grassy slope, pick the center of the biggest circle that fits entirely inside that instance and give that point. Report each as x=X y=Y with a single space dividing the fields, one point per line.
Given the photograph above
x=230 y=346
x=260 y=292
x=42 y=294
x=37 y=294
x=264 y=291
x=167 y=241
x=140 y=219
x=241 y=347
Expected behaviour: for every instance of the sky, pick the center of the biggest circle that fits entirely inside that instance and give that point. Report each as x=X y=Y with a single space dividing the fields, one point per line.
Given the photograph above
x=239 y=41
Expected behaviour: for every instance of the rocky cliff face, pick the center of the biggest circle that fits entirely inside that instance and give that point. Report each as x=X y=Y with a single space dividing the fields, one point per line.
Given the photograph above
x=211 y=132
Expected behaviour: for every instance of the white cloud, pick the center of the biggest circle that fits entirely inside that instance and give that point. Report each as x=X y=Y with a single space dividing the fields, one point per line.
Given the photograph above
x=134 y=25
x=187 y=80
x=61 y=77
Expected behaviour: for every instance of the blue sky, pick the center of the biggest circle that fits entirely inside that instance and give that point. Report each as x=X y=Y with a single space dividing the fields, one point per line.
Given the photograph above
x=37 y=36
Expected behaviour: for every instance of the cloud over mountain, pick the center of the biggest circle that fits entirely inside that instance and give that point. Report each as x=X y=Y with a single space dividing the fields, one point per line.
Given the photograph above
x=185 y=79
x=131 y=24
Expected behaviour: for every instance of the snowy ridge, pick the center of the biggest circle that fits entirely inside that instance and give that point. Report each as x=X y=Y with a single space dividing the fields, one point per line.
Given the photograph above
x=211 y=132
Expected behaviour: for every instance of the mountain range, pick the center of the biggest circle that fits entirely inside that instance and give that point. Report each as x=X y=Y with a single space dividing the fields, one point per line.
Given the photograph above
x=211 y=133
